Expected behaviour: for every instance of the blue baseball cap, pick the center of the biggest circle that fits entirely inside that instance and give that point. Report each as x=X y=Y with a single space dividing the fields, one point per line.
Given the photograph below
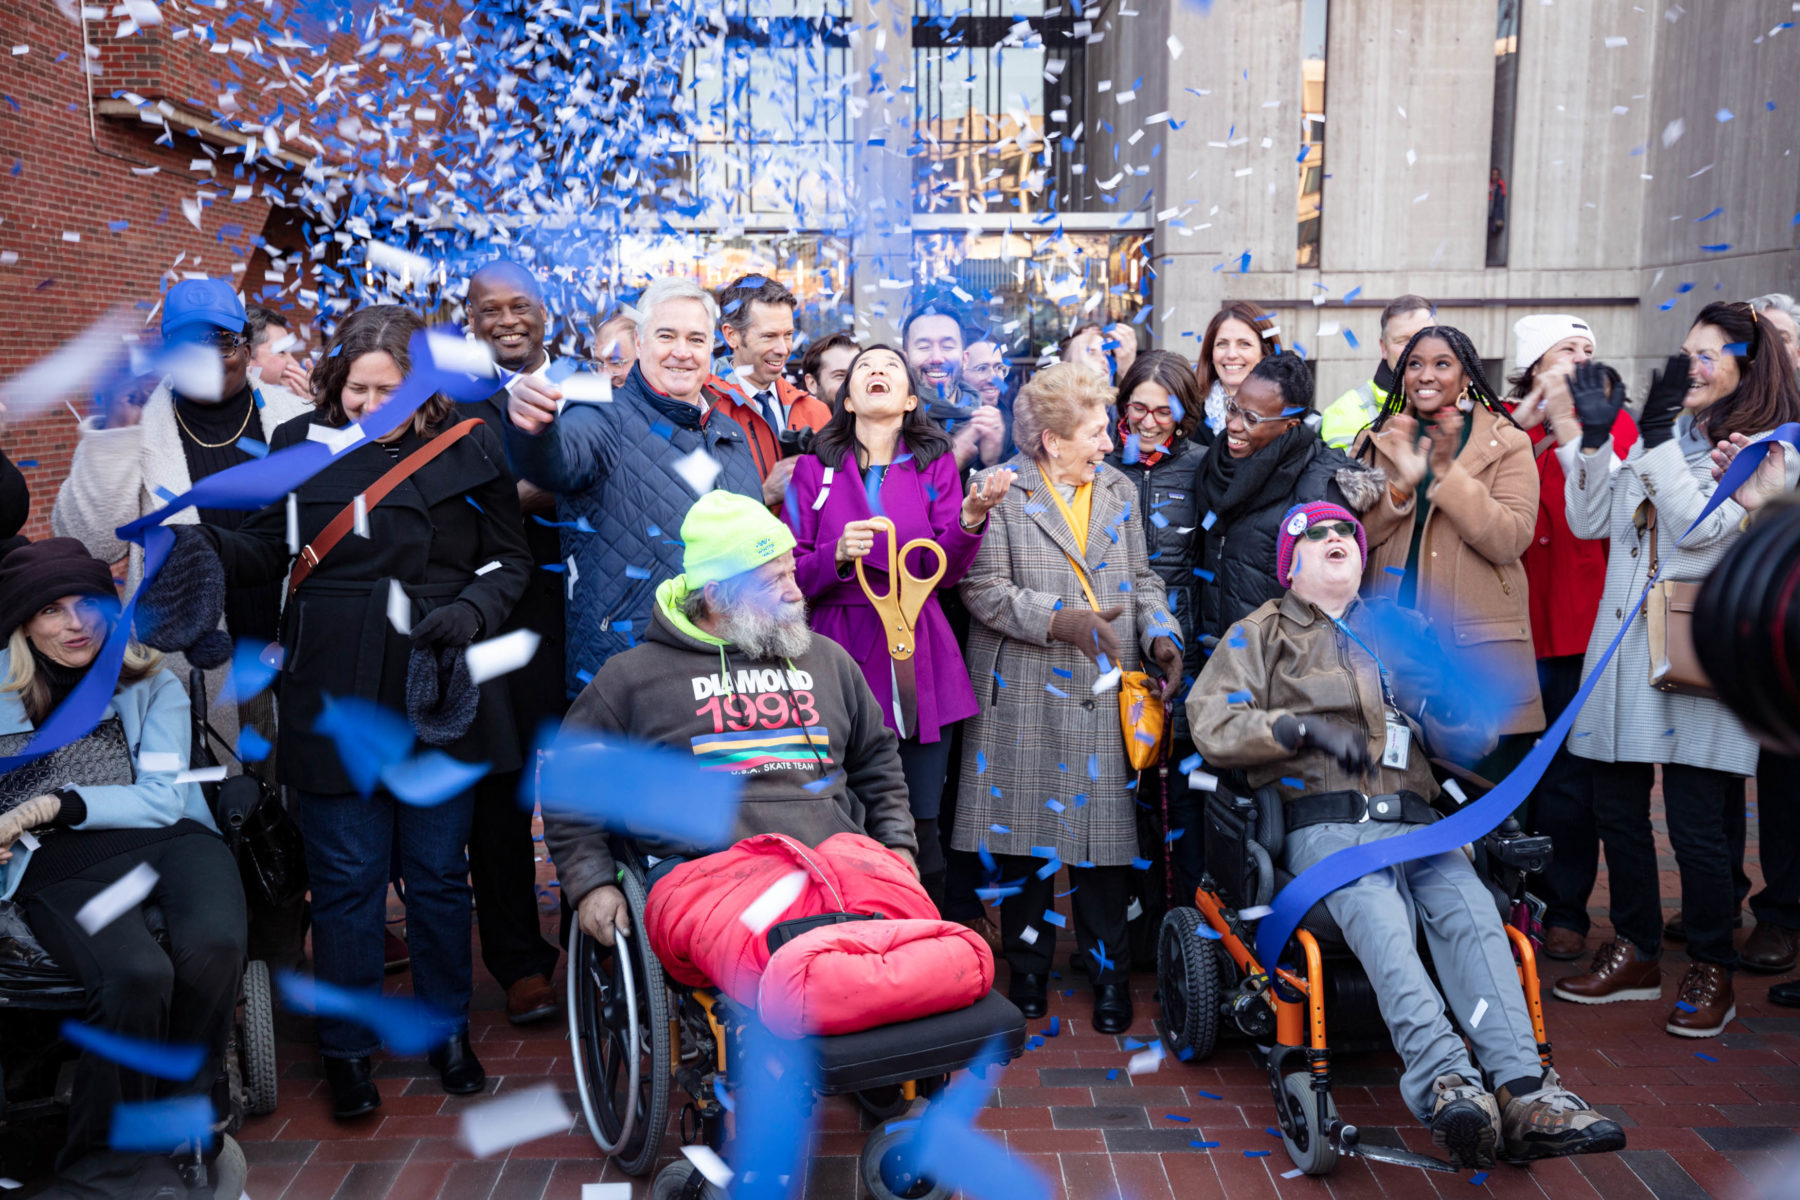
x=196 y=305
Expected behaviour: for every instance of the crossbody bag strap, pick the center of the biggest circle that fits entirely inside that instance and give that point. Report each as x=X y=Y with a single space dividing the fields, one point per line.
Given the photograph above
x=340 y=525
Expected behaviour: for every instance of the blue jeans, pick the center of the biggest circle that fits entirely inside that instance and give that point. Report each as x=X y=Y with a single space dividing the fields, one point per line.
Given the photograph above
x=349 y=843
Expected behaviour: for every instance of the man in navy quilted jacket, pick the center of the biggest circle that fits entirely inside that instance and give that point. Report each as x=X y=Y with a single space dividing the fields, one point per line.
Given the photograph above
x=625 y=472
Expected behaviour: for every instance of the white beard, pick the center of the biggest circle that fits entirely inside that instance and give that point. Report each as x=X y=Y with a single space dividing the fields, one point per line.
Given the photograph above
x=766 y=634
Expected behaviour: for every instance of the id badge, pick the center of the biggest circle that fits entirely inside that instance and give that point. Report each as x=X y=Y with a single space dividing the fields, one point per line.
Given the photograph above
x=1399 y=745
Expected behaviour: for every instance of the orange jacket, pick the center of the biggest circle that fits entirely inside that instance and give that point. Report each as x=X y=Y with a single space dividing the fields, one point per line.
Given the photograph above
x=804 y=410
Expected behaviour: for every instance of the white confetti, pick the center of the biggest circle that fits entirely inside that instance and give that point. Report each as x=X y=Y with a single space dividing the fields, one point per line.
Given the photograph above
x=1455 y=789
x=698 y=470
x=28 y=839
x=71 y=236
x=497 y=656
x=1613 y=43
x=1255 y=912
x=202 y=775
x=486 y=567
x=452 y=353
x=762 y=911
x=359 y=514
x=189 y=209
x=571 y=575
x=335 y=440
x=1107 y=682
x=1293 y=1174
x=119 y=898
x=18 y=50
x=586 y=387
x=158 y=762
x=1480 y=1012
x=1146 y=1061
x=1175 y=46
x=513 y=1119
x=606 y=1191
x=411 y=267
x=1202 y=781
x=293 y=524
x=1029 y=935
x=1672 y=132
x=706 y=1160
x=399 y=612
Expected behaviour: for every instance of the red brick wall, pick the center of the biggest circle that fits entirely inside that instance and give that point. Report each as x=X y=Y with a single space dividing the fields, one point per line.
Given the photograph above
x=53 y=179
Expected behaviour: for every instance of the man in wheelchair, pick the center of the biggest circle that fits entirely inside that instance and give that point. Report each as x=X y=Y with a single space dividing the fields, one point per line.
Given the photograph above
x=1315 y=694
x=728 y=657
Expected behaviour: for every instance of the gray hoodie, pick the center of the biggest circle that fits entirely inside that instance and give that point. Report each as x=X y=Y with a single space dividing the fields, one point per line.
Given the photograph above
x=683 y=690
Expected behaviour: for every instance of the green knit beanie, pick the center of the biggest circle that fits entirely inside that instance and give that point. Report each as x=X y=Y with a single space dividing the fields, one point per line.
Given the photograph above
x=726 y=534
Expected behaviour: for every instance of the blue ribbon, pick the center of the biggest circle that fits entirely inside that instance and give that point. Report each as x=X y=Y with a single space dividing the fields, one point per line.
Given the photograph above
x=249 y=485
x=1475 y=821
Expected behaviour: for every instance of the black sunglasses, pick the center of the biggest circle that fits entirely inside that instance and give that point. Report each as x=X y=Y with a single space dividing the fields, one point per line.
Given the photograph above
x=1317 y=533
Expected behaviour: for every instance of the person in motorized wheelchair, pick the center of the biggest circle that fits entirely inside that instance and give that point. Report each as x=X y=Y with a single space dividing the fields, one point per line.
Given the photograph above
x=63 y=848
x=1318 y=695
x=737 y=609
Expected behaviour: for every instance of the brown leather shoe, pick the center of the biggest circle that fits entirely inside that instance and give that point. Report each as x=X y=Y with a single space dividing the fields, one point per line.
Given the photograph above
x=1564 y=945
x=1770 y=949
x=530 y=999
x=1675 y=929
x=1704 y=1003
x=1618 y=972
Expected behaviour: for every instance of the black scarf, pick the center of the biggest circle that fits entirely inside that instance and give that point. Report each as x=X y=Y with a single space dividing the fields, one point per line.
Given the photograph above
x=60 y=680
x=1231 y=486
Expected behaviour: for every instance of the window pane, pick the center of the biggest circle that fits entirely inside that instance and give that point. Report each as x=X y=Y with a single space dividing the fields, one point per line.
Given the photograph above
x=1312 y=131
x=1506 y=95
x=1031 y=283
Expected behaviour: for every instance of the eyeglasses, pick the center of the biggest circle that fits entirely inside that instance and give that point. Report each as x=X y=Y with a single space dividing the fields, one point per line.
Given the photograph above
x=224 y=341
x=1318 y=533
x=1251 y=420
x=986 y=371
x=1137 y=412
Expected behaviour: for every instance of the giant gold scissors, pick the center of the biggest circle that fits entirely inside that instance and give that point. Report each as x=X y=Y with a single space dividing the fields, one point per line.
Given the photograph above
x=899 y=610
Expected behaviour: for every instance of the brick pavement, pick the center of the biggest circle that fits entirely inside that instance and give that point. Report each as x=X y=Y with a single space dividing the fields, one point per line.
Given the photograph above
x=1697 y=1128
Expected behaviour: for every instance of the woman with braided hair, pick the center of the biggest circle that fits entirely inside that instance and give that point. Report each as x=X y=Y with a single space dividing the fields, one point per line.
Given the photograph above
x=1449 y=536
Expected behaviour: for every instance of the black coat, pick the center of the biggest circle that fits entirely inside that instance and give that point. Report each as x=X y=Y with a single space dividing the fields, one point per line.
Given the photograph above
x=536 y=688
x=1169 y=508
x=1168 y=505
x=1239 y=549
x=428 y=536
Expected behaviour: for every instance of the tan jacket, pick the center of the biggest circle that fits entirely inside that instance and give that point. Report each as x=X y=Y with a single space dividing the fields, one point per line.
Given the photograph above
x=1288 y=659
x=1471 y=571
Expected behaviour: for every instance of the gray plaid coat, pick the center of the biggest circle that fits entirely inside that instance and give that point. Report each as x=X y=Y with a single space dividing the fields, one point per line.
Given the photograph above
x=1028 y=746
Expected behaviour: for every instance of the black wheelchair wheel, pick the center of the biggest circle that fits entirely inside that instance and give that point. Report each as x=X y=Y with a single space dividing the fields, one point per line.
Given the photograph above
x=888 y=1168
x=230 y=1170
x=256 y=1041
x=1187 y=978
x=1308 y=1146
x=619 y=1032
x=681 y=1180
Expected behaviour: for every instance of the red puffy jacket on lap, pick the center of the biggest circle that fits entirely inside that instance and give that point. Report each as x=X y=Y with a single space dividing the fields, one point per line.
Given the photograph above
x=833 y=979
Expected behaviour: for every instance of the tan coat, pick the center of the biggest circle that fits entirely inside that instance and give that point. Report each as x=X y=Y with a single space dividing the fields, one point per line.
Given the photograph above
x=1471 y=575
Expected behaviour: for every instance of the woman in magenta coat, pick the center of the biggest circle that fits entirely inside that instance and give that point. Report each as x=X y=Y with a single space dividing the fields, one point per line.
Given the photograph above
x=881 y=456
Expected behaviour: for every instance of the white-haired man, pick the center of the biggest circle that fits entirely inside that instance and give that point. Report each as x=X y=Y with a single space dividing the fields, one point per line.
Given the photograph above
x=625 y=473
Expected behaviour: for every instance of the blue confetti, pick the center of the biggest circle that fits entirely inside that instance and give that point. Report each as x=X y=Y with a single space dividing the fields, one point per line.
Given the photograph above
x=1717 y=248
x=178 y=1063
x=404 y=1025
x=1256 y=1154
x=1094 y=767
x=368 y=737
x=1178 y=1117
x=1055 y=918
x=1352 y=294
x=709 y=798
x=431 y=778
x=162 y=1126
x=1056 y=691
x=999 y=680
x=1055 y=1029
x=251 y=745
x=1198 y=1145
x=1238 y=698
x=1723 y=115
x=1066 y=674
x=1395 y=571
x=1292 y=781
x=1203 y=573
x=1478 y=1178
x=959 y=1156
x=1142 y=864
x=1709 y=216
x=1706 y=1057
x=1350 y=336
x=1685 y=1007
x=1208 y=1095
x=1209 y=933
x=980 y=762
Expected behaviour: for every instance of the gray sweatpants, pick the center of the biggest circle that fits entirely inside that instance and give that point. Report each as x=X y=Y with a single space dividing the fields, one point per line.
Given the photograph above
x=1468 y=945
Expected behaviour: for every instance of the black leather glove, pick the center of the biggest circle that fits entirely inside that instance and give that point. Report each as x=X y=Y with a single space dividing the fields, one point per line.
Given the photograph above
x=1668 y=391
x=449 y=627
x=1088 y=631
x=1596 y=410
x=1321 y=733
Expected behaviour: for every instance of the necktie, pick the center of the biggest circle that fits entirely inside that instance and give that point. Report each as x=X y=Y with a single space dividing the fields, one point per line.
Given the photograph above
x=771 y=410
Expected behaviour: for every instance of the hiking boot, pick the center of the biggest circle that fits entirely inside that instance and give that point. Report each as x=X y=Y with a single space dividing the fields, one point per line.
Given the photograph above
x=1619 y=972
x=1465 y=1122
x=1552 y=1122
x=1704 y=1003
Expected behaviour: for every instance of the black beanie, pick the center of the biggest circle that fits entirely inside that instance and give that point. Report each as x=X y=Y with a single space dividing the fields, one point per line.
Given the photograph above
x=41 y=573
x=441 y=695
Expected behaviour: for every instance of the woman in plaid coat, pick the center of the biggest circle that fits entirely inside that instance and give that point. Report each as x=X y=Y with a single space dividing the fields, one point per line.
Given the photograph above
x=1061 y=593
